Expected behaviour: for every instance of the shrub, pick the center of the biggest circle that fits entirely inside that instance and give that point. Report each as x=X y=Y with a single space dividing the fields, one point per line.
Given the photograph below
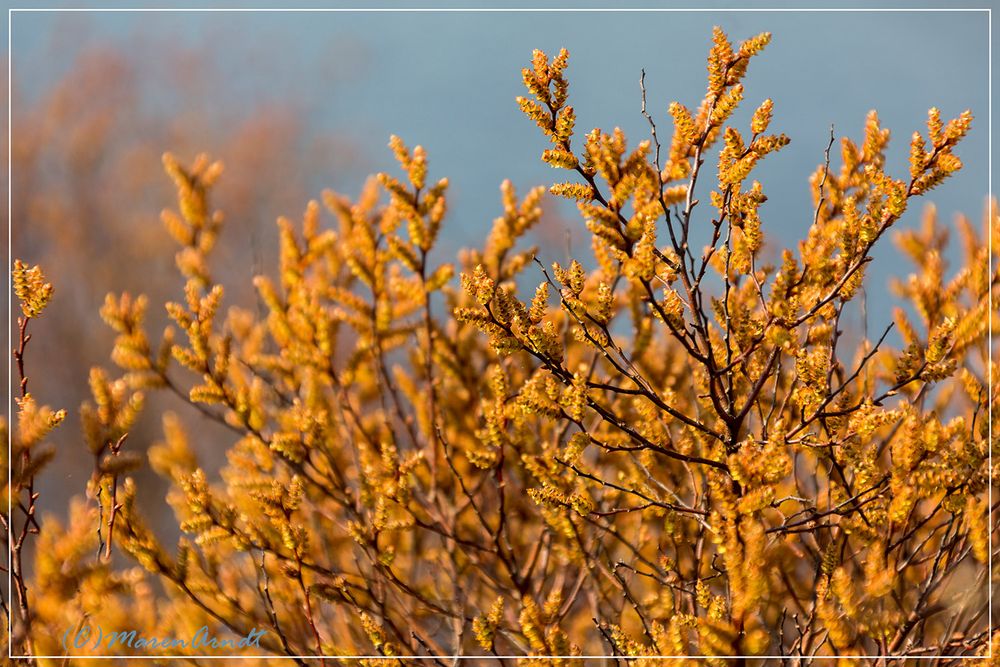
x=675 y=452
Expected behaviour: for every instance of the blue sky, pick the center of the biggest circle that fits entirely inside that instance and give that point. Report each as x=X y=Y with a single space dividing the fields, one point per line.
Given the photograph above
x=448 y=82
